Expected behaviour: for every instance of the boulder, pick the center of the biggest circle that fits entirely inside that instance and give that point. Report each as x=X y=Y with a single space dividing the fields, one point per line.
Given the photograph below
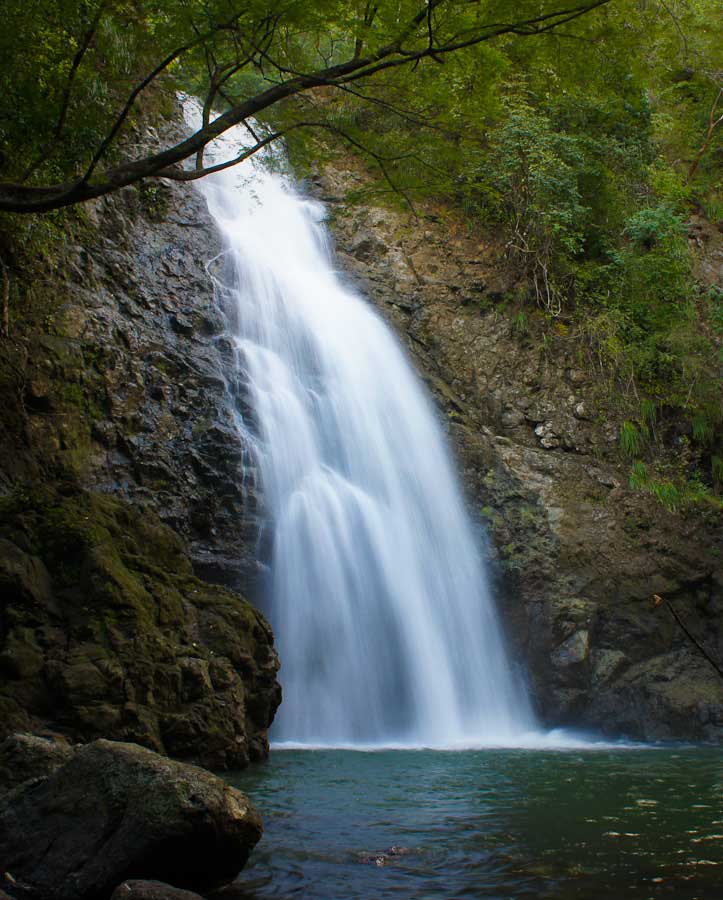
x=118 y=811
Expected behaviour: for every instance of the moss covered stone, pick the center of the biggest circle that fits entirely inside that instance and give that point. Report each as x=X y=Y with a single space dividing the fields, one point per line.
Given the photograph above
x=106 y=632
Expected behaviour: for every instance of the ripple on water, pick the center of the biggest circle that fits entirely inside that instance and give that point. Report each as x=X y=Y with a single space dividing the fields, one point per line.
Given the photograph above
x=488 y=824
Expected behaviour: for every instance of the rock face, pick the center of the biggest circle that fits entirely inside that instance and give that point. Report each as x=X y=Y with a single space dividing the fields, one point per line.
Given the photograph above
x=123 y=374
x=119 y=811
x=27 y=756
x=579 y=555
x=107 y=632
x=123 y=481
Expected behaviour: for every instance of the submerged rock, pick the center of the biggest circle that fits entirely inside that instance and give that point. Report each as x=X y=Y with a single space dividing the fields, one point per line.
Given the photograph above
x=137 y=889
x=118 y=811
x=384 y=858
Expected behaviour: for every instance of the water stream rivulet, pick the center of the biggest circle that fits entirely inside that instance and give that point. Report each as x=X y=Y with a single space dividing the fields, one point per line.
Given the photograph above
x=379 y=601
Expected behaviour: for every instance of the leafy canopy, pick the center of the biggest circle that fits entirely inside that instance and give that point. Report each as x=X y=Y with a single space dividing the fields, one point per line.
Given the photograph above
x=74 y=71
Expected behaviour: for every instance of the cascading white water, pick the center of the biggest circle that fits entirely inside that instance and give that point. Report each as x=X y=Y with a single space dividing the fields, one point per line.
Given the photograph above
x=384 y=621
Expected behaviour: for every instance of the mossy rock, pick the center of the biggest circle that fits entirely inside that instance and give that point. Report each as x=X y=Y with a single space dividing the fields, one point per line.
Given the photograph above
x=105 y=632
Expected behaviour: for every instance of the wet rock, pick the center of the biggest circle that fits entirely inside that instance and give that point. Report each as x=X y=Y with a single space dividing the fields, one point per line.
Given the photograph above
x=384 y=858
x=606 y=664
x=658 y=698
x=573 y=651
x=137 y=366
x=181 y=324
x=117 y=811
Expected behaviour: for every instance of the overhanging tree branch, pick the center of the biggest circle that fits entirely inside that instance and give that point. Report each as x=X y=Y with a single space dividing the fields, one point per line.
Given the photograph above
x=398 y=52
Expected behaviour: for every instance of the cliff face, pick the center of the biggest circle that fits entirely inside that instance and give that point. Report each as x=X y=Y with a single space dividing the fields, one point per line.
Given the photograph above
x=579 y=555
x=122 y=482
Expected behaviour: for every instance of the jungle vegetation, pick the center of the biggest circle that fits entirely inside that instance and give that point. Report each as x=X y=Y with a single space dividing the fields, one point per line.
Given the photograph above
x=588 y=134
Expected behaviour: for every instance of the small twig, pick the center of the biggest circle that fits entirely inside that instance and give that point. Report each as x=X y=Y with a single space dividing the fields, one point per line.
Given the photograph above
x=713 y=123
x=657 y=601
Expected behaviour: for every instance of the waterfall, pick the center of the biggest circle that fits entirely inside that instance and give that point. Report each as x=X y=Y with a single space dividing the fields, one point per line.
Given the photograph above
x=378 y=597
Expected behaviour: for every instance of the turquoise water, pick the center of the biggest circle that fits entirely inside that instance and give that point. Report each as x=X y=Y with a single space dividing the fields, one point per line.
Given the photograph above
x=609 y=824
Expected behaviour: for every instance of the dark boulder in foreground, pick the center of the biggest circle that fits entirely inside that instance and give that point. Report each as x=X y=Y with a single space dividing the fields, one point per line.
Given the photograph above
x=117 y=811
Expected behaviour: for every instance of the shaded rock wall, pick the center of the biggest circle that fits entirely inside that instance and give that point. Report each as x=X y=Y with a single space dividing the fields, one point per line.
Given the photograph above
x=121 y=372
x=122 y=479
x=578 y=554
x=106 y=632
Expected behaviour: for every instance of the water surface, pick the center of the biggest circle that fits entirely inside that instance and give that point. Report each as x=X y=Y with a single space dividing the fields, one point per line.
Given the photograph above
x=612 y=823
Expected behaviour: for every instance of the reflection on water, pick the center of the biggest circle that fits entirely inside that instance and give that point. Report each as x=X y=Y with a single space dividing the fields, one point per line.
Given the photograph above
x=596 y=825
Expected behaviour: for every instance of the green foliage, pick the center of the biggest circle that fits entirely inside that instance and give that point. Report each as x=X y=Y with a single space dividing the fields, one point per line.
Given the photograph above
x=586 y=151
x=674 y=492
x=533 y=188
x=577 y=151
x=648 y=412
x=639 y=477
x=654 y=226
x=703 y=431
x=632 y=438
x=520 y=324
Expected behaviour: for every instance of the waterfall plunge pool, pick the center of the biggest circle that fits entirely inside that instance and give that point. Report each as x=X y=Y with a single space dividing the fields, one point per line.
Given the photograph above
x=596 y=824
